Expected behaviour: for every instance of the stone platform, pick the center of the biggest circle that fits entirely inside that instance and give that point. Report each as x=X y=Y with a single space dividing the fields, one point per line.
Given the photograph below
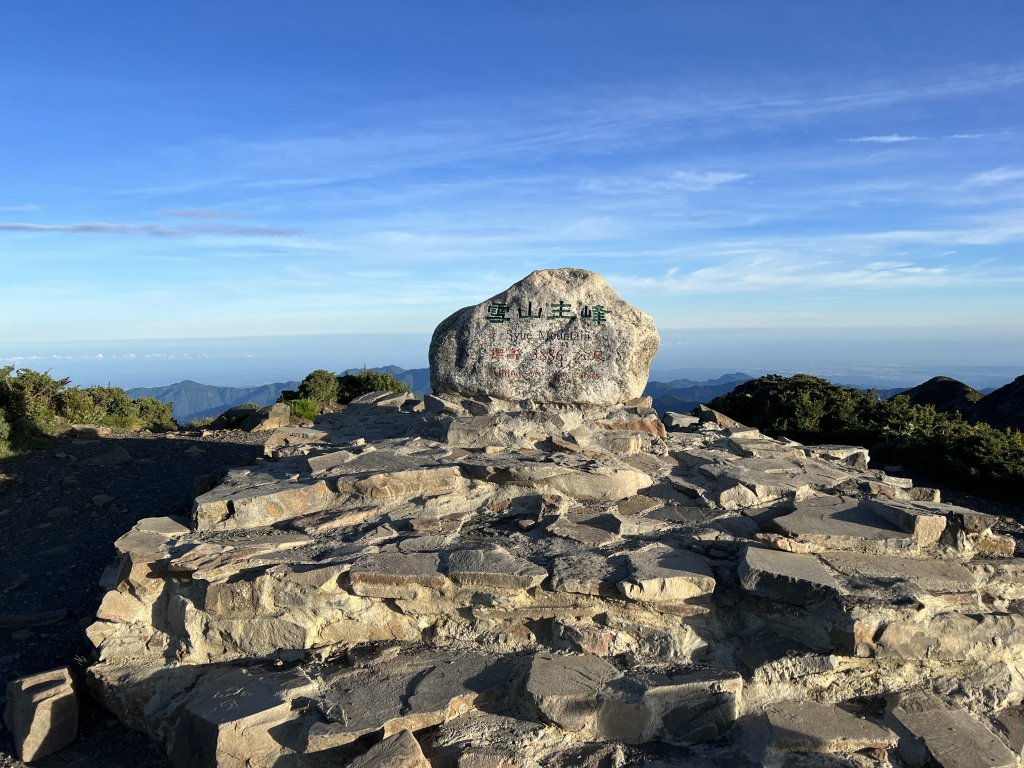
x=467 y=582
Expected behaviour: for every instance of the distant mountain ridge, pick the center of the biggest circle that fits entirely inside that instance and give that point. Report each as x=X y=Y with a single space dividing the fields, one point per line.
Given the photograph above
x=683 y=395
x=946 y=394
x=1002 y=407
x=193 y=401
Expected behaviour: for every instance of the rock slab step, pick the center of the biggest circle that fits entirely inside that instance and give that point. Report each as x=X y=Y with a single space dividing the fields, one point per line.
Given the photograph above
x=934 y=732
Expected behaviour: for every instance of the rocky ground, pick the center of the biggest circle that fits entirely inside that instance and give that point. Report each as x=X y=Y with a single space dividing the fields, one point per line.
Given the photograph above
x=490 y=586
x=60 y=511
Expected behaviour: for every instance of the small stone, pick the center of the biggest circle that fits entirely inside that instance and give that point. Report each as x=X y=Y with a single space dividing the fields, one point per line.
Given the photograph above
x=101 y=500
x=42 y=713
x=398 y=751
x=109 y=459
x=60 y=513
x=995 y=544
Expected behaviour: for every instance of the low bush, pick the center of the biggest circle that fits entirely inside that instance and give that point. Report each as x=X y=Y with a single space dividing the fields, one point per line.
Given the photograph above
x=304 y=409
x=353 y=385
x=35 y=406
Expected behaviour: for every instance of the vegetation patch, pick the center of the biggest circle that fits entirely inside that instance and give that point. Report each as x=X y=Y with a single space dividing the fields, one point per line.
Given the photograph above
x=304 y=409
x=976 y=457
x=323 y=387
x=34 y=407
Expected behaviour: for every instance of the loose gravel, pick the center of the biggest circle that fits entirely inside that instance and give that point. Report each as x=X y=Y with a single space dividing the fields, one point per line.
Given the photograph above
x=60 y=511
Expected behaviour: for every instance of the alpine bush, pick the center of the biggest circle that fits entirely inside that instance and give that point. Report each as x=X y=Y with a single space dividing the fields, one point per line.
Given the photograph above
x=35 y=406
x=320 y=386
x=304 y=409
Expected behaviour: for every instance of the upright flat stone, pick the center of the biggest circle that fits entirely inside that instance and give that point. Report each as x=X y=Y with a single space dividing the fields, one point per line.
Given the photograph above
x=557 y=336
x=42 y=713
x=564 y=689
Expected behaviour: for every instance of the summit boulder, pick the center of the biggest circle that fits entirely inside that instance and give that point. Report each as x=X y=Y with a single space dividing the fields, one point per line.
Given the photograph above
x=557 y=336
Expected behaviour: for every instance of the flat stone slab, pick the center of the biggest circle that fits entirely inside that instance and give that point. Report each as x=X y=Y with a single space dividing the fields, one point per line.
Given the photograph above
x=396 y=575
x=786 y=577
x=926 y=521
x=806 y=726
x=406 y=693
x=835 y=522
x=946 y=734
x=867 y=571
x=589 y=574
x=676 y=706
x=493 y=568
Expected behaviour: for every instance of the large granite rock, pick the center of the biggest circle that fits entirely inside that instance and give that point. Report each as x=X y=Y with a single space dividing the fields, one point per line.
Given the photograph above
x=557 y=336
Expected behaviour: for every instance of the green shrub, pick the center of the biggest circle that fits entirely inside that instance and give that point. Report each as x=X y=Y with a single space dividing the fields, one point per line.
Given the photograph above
x=320 y=386
x=945 y=447
x=353 y=385
x=35 y=406
x=304 y=409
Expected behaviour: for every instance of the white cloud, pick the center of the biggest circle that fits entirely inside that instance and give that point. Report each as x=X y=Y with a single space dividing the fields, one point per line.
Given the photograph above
x=892 y=138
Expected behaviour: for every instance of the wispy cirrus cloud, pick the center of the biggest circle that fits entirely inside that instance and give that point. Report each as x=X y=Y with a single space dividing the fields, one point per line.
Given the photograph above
x=997 y=176
x=17 y=208
x=766 y=273
x=672 y=181
x=158 y=230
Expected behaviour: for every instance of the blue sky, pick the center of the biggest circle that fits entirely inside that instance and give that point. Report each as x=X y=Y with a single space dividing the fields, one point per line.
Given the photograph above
x=198 y=169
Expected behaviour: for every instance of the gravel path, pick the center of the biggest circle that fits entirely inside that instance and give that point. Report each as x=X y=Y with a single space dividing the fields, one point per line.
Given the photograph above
x=55 y=541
